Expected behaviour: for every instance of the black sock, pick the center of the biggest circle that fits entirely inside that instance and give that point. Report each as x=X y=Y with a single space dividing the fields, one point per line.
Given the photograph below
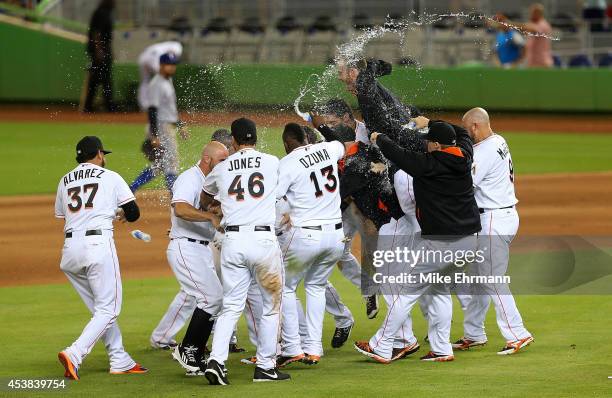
x=199 y=329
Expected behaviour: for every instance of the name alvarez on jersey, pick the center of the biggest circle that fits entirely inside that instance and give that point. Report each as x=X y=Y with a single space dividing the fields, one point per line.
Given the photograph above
x=82 y=174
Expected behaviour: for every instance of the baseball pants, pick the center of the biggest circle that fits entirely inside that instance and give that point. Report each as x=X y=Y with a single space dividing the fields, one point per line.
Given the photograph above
x=348 y=264
x=391 y=235
x=177 y=314
x=248 y=255
x=309 y=255
x=498 y=229
x=92 y=267
x=192 y=264
x=440 y=310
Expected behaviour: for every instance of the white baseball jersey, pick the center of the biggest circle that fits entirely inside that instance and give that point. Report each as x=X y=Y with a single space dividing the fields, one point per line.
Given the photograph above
x=163 y=97
x=246 y=185
x=308 y=177
x=282 y=208
x=149 y=58
x=186 y=189
x=88 y=196
x=493 y=174
x=402 y=182
x=148 y=65
x=361 y=132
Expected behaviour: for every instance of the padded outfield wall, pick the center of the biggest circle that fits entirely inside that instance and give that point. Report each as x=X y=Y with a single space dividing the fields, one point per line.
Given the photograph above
x=38 y=67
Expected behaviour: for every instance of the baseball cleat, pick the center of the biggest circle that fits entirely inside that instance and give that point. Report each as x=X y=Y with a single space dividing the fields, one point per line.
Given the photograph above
x=70 y=371
x=188 y=357
x=432 y=357
x=249 y=361
x=341 y=335
x=400 y=353
x=136 y=369
x=216 y=374
x=262 y=375
x=233 y=348
x=464 y=343
x=283 y=361
x=371 y=306
x=364 y=348
x=512 y=347
x=158 y=345
x=310 y=359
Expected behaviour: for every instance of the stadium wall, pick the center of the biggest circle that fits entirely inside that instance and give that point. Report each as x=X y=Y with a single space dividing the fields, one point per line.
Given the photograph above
x=38 y=67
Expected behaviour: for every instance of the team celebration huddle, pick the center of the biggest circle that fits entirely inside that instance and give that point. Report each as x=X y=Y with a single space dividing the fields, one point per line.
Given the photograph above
x=247 y=229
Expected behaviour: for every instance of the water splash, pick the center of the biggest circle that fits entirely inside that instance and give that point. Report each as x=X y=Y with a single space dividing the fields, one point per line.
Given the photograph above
x=320 y=86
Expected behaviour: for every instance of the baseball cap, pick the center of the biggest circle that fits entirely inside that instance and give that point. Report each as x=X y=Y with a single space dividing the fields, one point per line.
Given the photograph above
x=442 y=133
x=169 y=58
x=88 y=147
x=244 y=130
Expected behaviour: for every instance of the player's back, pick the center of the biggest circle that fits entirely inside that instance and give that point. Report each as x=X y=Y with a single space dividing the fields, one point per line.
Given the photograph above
x=88 y=196
x=246 y=184
x=308 y=177
x=493 y=173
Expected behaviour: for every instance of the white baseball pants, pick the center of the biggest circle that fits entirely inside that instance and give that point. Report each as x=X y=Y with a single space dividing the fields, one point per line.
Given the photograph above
x=193 y=266
x=498 y=229
x=309 y=255
x=177 y=314
x=92 y=267
x=248 y=255
x=440 y=310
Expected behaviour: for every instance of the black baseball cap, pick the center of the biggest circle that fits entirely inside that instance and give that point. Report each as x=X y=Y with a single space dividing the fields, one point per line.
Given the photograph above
x=169 y=59
x=442 y=133
x=244 y=131
x=88 y=147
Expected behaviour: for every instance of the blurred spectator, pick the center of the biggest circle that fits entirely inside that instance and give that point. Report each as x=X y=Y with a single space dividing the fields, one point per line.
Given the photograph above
x=538 y=50
x=594 y=12
x=509 y=43
x=99 y=49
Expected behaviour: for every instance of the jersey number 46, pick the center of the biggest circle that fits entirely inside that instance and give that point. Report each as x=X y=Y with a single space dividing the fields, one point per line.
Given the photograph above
x=255 y=186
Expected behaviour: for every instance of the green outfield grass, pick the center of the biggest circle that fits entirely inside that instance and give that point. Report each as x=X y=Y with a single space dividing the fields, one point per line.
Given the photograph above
x=570 y=357
x=36 y=155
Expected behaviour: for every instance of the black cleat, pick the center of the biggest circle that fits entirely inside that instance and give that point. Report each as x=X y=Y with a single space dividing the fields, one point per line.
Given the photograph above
x=188 y=357
x=341 y=335
x=371 y=306
x=233 y=348
x=216 y=374
x=262 y=375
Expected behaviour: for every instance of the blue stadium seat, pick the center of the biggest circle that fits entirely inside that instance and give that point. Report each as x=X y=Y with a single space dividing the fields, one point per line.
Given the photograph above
x=557 y=61
x=580 y=61
x=606 y=61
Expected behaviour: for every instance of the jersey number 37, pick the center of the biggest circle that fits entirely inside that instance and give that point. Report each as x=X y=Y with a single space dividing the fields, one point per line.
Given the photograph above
x=75 y=196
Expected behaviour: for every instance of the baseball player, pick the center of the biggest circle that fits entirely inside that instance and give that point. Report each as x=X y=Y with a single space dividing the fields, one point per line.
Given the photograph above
x=183 y=304
x=148 y=67
x=89 y=198
x=246 y=185
x=308 y=178
x=493 y=176
x=191 y=258
x=334 y=113
x=160 y=145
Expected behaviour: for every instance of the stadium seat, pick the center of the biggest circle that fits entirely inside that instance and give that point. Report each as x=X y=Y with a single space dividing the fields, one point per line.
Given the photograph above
x=244 y=46
x=580 y=61
x=387 y=47
x=282 y=47
x=128 y=44
x=557 y=61
x=362 y=22
x=209 y=47
x=320 y=41
x=606 y=61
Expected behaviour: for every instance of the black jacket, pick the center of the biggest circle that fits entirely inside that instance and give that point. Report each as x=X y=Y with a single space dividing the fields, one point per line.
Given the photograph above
x=382 y=111
x=371 y=191
x=443 y=189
